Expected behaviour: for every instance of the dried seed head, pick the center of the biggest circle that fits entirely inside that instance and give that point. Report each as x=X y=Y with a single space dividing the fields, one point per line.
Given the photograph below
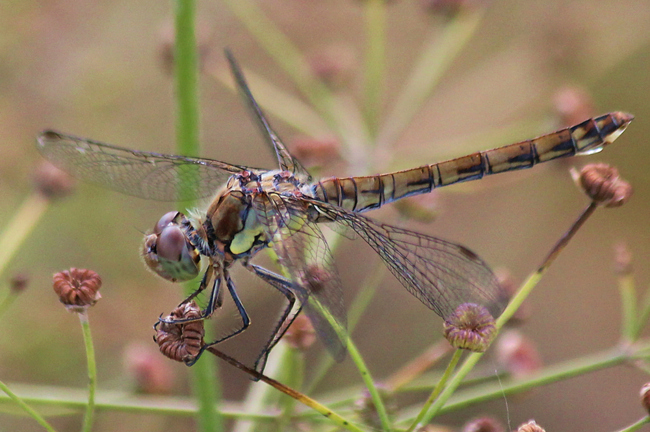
x=483 y=424
x=622 y=258
x=77 y=288
x=451 y=8
x=18 y=282
x=183 y=341
x=152 y=374
x=366 y=410
x=300 y=334
x=470 y=327
x=517 y=354
x=531 y=426
x=51 y=182
x=573 y=105
x=603 y=184
x=315 y=151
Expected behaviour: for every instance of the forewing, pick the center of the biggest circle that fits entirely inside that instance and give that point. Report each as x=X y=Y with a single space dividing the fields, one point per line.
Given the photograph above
x=143 y=174
x=303 y=251
x=285 y=160
x=440 y=274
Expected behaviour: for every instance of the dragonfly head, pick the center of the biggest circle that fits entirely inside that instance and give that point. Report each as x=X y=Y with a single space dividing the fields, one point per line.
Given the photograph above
x=168 y=251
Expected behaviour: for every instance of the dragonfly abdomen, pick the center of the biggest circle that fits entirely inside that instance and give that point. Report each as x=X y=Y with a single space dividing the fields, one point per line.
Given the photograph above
x=370 y=192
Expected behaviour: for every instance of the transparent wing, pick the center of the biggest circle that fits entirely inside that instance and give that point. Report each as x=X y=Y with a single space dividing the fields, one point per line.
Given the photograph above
x=285 y=160
x=146 y=175
x=440 y=274
x=302 y=250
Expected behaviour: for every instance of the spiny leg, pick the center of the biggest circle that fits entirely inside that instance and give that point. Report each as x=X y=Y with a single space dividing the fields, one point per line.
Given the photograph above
x=215 y=301
x=288 y=315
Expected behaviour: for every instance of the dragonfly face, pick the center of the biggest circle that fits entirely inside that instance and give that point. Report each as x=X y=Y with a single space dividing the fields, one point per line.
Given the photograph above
x=282 y=209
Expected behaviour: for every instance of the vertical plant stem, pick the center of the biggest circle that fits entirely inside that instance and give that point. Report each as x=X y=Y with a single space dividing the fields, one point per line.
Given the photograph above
x=204 y=373
x=437 y=389
x=92 y=371
x=355 y=355
x=19 y=227
x=628 y=305
x=32 y=413
x=375 y=15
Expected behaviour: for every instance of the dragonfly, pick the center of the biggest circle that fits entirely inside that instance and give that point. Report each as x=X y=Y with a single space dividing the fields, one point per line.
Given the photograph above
x=283 y=209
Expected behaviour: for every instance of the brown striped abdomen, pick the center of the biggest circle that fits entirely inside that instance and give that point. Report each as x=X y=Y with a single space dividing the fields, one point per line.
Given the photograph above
x=370 y=192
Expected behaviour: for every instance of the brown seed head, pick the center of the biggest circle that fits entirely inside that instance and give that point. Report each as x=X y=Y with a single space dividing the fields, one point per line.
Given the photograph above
x=483 y=424
x=365 y=407
x=300 y=334
x=509 y=287
x=573 y=105
x=531 y=426
x=645 y=396
x=518 y=354
x=470 y=327
x=18 y=282
x=181 y=342
x=77 y=288
x=51 y=182
x=603 y=185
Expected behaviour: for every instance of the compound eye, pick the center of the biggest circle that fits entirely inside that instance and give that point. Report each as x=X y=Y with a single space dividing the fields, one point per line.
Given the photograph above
x=165 y=220
x=171 y=255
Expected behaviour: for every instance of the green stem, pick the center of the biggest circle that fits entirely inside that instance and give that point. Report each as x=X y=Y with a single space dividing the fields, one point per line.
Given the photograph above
x=19 y=227
x=355 y=355
x=92 y=371
x=9 y=299
x=300 y=397
x=436 y=57
x=375 y=16
x=550 y=374
x=358 y=306
x=437 y=389
x=637 y=425
x=644 y=314
x=258 y=396
x=204 y=373
x=629 y=307
x=340 y=114
x=35 y=415
x=510 y=310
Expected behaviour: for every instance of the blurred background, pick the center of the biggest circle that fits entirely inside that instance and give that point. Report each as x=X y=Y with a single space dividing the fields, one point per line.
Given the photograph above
x=102 y=70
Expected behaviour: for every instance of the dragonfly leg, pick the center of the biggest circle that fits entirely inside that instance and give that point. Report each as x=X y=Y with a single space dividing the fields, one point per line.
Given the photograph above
x=240 y=308
x=287 y=288
x=215 y=302
x=207 y=277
